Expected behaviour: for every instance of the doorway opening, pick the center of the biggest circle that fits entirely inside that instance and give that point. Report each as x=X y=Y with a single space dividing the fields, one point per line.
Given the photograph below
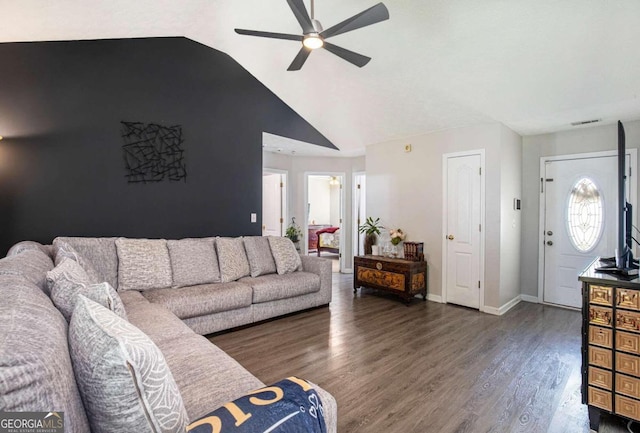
x=274 y=202
x=324 y=217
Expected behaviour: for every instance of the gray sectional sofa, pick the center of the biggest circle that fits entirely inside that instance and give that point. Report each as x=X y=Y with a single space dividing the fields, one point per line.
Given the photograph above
x=36 y=371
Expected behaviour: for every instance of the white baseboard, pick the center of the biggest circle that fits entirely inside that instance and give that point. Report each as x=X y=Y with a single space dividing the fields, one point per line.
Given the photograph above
x=347 y=271
x=434 y=298
x=506 y=307
x=529 y=298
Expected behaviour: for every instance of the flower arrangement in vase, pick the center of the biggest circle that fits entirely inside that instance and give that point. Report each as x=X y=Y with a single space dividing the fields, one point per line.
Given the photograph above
x=397 y=236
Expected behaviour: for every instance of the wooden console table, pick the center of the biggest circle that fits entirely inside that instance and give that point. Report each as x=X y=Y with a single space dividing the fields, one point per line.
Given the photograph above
x=401 y=277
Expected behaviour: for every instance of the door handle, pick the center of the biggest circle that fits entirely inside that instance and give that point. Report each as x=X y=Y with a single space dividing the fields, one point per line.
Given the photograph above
x=549 y=243
x=450 y=237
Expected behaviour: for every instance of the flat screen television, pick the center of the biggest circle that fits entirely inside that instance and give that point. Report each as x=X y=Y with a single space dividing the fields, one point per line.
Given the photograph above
x=622 y=263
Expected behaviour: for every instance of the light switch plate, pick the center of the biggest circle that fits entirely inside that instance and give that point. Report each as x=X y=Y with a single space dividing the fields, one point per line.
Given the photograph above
x=254 y=218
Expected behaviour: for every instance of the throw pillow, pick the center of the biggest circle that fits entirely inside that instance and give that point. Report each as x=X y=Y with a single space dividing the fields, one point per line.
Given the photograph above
x=232 y=258
x=291 y=405
x=62 y=249
x=259 y=254
x=68 y=280
x=193 y=262
x=285 y=255
x=143 y=264
x=124 y=380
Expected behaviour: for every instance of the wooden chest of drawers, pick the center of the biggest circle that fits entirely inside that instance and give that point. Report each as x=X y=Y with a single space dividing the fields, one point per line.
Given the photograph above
x=402 y=277
x=611 y=346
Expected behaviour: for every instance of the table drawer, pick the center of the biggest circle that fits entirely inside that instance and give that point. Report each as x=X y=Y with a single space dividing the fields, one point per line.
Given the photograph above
x=600 y=316
x=627 y=385
x=627 y=364
x=628 y=342
x=628 y=407
x=628 y=298
x=600 y=357
x=628 y=320
x=601 y=295
x=600 y=398
x=600 y=378
x=600 y=336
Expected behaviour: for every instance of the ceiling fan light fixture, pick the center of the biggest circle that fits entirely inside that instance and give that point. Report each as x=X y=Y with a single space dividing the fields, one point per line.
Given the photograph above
x=313 y=41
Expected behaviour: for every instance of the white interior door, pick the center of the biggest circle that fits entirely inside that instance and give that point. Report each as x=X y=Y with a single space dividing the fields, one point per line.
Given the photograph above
x=462 y=230
x=272 y=204
x=580 y=199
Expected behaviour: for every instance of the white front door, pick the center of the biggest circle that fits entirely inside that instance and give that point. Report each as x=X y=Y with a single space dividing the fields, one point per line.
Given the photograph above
x=462 y=230
x=272 y=204
x=580 y=208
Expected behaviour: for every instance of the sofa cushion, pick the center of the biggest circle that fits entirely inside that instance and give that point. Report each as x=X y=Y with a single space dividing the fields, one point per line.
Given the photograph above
x=193 y=262
x=203 y=299
x=199 y=365
x=285 y=255
x=143 y=264
x=259 y=254
x=156 y=321
x=232 y=259
x=100 y=252
x=32 y=264
x=273 y=287
x=123 y=377
x=62 y=249
x=35 y=366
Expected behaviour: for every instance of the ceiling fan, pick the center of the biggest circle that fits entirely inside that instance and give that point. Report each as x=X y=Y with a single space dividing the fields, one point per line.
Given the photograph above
x=313 y=36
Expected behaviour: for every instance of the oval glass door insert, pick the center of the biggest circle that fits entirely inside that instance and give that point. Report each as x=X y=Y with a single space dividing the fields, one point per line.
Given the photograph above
x=585 y=215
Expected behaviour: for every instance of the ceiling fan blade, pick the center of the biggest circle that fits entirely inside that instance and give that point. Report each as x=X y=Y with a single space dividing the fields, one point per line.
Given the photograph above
x=297 y=63
x=297 y=6
x=269 y=34
x=357 y=59
x=373 y=15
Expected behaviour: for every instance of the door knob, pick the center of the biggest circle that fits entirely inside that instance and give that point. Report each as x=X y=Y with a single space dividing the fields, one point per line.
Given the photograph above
x=549 y=233
x=549 y=243
x=450 y=237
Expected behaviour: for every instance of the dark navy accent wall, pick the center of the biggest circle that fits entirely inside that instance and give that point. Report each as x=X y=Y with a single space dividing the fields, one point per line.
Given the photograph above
x=61 y=163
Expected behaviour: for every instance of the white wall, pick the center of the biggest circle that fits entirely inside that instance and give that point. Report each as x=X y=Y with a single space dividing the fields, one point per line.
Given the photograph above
x=297 y=166
x=405 y=191
x=580 y=140
x=510 y=219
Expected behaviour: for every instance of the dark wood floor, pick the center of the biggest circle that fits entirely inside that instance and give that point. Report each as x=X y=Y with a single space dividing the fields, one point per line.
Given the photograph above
x=428 y=367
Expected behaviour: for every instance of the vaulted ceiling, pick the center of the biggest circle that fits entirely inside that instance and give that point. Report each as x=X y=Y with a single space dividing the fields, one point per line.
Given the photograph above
x=535 y=66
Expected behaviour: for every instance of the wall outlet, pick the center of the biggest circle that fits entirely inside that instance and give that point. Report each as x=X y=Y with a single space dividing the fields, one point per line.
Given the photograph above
x=254 y=218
